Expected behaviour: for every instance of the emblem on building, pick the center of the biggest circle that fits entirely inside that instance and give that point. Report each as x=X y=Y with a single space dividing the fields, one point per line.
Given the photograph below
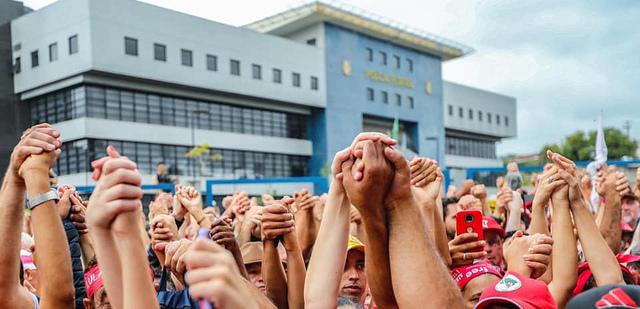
x=346 y=67
x=428 y=88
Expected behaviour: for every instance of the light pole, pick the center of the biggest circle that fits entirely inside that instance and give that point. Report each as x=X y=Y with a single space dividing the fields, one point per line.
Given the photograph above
x=194 y=114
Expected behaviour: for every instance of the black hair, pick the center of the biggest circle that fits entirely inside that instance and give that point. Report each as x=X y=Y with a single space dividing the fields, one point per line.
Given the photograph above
x=446 y=202
x=161 y=162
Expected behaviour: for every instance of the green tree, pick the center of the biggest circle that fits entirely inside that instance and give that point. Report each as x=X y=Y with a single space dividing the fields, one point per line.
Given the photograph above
x=580 y=146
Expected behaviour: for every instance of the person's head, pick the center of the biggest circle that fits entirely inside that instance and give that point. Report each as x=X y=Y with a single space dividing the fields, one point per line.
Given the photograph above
x=161 y=168
x=252 y=257
x=27 y=242
x=630 y=209
x=512 y=167
x=473 y=279
x=494 y=238
x=353 y=284
x=96 y=293
x=516 y=291
x=29 y=268
x=450 y=209
x=586 y=281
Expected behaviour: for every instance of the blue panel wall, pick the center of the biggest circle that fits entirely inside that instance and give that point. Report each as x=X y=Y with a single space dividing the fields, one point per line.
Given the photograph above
x=347 y=102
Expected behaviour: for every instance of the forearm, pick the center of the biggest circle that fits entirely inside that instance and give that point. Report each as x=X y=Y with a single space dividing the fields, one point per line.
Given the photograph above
x=329 y=253
x=486 y=210
x=273 y=275
x=377 y=264
x=237 y=256
x=243 y=234
x=87 y=249
x=513 y=220
x=538 y=218
x=104 y=246
x=602 y=261
x=564 y=256
x=137 y=285
x=305 y=230
x=11 y=213
x=413 y=258
x=610 y=224
x=51 y=246
x=435 y=226
x=295 y=275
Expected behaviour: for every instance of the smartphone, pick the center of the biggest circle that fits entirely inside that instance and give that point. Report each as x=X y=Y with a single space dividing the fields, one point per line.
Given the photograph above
x=469 y=221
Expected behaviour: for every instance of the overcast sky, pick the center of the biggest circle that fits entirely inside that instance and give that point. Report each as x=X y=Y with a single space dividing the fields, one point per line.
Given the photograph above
x=562 y=60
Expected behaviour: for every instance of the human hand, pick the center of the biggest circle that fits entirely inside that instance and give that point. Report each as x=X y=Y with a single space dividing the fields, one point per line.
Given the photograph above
x=505 y=196
x=78 y=214
x=222 y=233
x=470 y=202
x=177 y=210
x=500 y=182
x=549 y=182
x=538 y=257
x=212 y=274
x=465 y=188
x=36 y=140
x=465 y=248
x=161 y=205
x=254 y=220
x=622 y=184
x=64 y=204
x=267 y=199
x=174 y=254
x=479 y=191
x=400 y=188
x=607 y=181
x=277 y=220
x=451 y=191
x=514 y=250
x=117 y=191
x=426 y=187
x=240 y=203
x=163 y=230
x=38 y=165
x=303 y=201
x=190 y=198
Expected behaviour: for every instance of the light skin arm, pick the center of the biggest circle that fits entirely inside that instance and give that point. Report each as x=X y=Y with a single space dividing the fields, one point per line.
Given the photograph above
x=611 y=210
x=306 y=230
x=515 y=210
x=273 y=275
x=565 y=255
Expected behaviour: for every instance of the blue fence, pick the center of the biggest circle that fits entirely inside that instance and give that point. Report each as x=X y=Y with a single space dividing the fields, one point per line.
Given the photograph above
x=164 y=186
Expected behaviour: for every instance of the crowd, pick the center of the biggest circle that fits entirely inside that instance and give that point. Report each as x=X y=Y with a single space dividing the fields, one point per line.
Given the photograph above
x=386 y=235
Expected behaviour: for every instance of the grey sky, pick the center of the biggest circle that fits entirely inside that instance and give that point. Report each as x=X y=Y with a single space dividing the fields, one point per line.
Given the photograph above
x=563 y=60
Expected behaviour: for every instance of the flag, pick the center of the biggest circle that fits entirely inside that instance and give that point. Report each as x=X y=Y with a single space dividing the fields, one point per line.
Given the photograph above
x=599 y=161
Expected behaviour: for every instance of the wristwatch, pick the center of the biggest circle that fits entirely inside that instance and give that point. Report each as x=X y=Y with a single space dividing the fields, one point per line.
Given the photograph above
x=45 y=197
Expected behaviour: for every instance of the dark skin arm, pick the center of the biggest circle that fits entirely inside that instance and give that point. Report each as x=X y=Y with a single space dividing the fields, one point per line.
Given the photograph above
x=276 y=220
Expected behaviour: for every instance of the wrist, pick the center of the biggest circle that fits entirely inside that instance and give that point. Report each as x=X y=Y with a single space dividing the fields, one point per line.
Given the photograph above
x=400 y=204
x=36 y=185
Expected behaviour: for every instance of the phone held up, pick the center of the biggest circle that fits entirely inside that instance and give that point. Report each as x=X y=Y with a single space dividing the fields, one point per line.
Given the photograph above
x=469 y=221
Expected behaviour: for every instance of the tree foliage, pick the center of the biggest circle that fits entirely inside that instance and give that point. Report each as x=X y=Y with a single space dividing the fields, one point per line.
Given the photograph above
x=580 y=146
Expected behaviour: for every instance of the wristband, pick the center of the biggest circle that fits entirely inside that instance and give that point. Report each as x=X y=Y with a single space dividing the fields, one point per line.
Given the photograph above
x=42 y=198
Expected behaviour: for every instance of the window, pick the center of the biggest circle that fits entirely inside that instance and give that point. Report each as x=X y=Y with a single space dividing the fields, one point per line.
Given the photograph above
x=314 y=83
x=16 y=66
x=311 y=42
x=480 y=116
x=396 y=61
x=411 y=104
x=256 y=71
x=506 y=121
x=385 y=97
x=295 y=79
x=470 y=114
x=383 y=58
x=130 y=46
x=370 y=95
x=34 y=59
x=159 y=52
x=369 y=54
x=410 y=65
x=398 y=100
x=460 y=112
x=498 y=119
x=450 y=110
x=277 y=76
x=489 y=117
x=186 y=57
x=212 y=62
x=234 y=67
x=53 y=52
x=73 y=44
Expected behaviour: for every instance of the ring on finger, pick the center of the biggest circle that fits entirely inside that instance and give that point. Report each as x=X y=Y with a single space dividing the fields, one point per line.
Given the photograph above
x=551 y=179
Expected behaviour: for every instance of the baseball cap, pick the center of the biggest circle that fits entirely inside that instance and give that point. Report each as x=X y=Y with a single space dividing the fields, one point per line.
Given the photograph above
x=584 y=272
x=490 y=224
x=608 y=296
x=463 y=274
x=521 y=291
x=354 y=244
x=252 y=252
x=27 y=260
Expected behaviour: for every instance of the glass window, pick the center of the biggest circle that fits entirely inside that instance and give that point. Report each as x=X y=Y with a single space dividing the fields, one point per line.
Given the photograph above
x=498 y=119
x=370 y=96
x=234 y=67
x=73 y=44
x=277 y=76
x=53 y=52
x=113 y=104
x=385 y=97
x=34 y=59
x=398 y=100
x=314 y=83
x=470 y=114
x=130 y=46
x=159 y=52
x=480 y=116
x=450 y=110
x=396 y=61
x=17 y=67
x=489 y=117
x=369 y=54
x=155 y=111
x=311 y=42
x=126 y=104
x=256 y=71
x=295 y=79
x=383 y=58
x=410 y=65
x=411 y=104
x=140 y=107
x=460 y=112
x=506 y=121
x=212 y=63
x=186 y=57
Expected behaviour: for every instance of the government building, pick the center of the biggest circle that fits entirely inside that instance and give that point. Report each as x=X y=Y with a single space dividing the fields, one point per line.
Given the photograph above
x=276 y=98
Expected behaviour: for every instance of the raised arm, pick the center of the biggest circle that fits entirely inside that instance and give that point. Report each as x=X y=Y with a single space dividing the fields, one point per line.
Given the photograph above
x=609 y=224
x=35 y=140
x=411 y=251
x=276 y=221
x=306 y=229
x=541 y=200
x=330 y=251
x=296 y=271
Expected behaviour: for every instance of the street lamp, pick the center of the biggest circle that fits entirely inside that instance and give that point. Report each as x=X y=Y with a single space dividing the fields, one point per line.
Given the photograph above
x=192 y=124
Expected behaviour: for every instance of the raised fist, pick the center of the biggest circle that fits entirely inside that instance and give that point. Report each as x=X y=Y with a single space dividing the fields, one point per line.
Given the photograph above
x=39 y=139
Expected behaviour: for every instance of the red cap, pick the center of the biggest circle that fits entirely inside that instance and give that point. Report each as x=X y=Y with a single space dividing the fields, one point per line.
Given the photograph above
x=523 y=292
x=490 y=224
x=584 y=272
x=463 y=274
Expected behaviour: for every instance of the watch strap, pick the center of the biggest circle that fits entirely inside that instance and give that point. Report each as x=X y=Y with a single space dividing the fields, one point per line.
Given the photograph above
x=42 y=198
